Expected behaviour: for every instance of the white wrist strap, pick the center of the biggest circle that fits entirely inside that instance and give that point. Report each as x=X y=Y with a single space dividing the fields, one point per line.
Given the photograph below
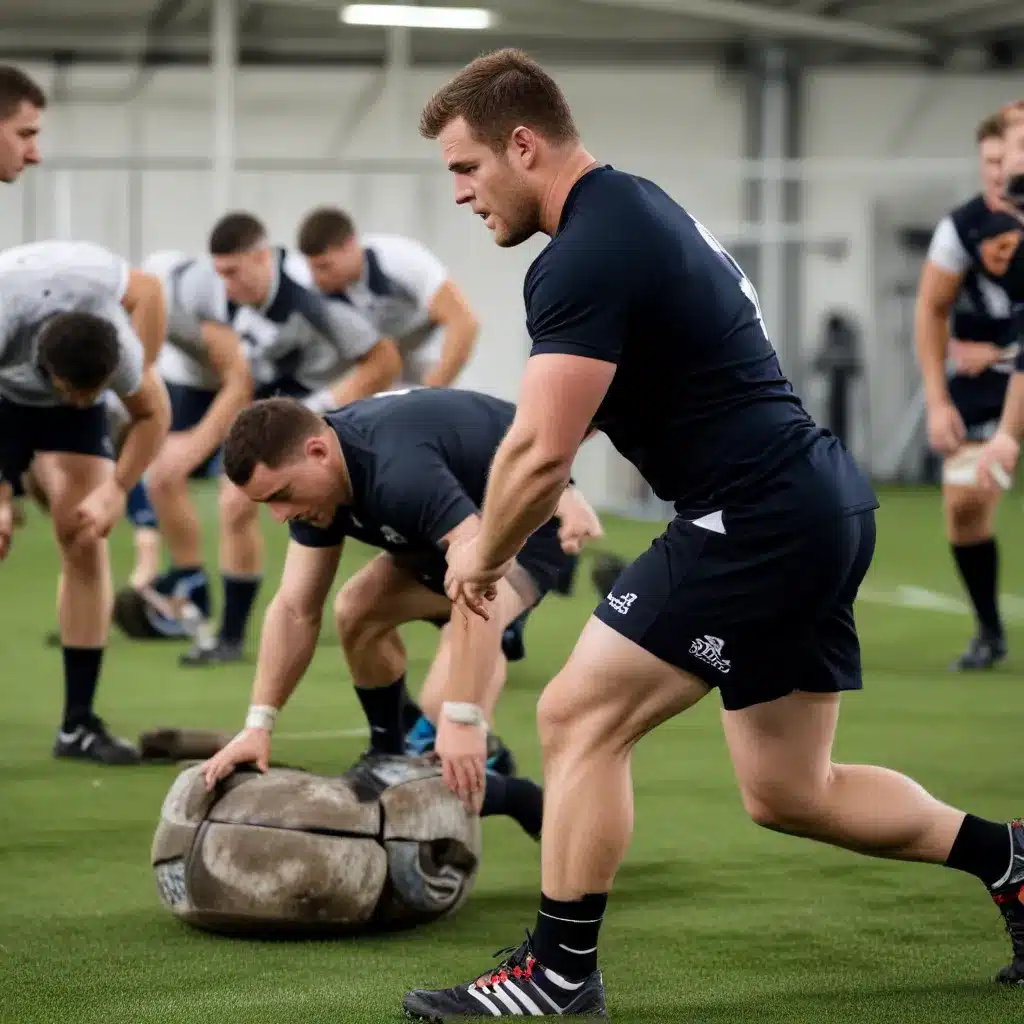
x=261 y=716
x=464 y=713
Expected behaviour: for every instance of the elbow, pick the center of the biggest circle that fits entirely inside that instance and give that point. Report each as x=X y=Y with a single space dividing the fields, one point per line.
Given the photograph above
x=388 y=365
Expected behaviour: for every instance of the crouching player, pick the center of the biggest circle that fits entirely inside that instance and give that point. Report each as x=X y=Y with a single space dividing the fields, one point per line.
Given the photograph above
x=405 y=472
x=65 y=338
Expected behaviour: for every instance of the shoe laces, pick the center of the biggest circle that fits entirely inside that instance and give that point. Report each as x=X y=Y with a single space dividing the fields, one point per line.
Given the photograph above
x=518 y=963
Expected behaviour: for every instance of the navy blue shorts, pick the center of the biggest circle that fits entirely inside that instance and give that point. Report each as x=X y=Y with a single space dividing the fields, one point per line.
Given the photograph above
x=188 y=406
x=758 y=616
x=28 y=429
x=979 y=400
x=542 y=557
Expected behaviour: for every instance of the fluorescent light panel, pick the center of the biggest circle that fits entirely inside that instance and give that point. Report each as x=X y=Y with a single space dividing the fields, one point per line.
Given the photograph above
x=405 y=16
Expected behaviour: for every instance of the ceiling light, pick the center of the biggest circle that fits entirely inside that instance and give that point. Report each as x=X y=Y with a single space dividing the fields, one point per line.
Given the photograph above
x=405 y=16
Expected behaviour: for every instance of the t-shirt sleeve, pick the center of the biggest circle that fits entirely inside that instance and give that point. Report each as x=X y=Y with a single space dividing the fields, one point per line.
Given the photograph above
x=423 y=496
x=127 y=378
x=947 y=250
x=577 y=303
x=347 y=329
x=310 y=536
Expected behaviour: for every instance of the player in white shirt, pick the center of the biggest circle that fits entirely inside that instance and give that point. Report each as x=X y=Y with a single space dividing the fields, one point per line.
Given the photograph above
x=296 y=343
x=65 y=338
x=203 y=364
x=400 y=286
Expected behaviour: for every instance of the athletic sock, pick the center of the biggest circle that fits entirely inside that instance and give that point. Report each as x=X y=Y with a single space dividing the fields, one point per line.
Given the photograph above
x=239 y=597
x=981 y=848
x=979 y=569
x=565 y=940
x=139 y=508
x=383 y=706
x=81 y=674
x=411 y=714
x=187 y=581
x=519 y=798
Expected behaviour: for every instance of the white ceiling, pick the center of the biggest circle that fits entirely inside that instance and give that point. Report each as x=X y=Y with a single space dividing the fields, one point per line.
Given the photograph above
x=605 y=30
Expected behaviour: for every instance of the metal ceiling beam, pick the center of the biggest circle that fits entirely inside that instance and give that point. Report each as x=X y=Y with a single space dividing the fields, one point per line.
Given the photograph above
x=924 y=12
x=778 y=22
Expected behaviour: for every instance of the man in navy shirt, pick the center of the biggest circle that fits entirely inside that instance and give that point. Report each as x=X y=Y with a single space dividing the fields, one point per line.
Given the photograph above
x=405 y=472
x=644 y=327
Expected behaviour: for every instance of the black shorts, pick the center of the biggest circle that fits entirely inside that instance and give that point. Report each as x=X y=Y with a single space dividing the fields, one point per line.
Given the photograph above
x=542 y=557
x=979 y=400
x=188 y=406
x=757 y=616
x=28 y=429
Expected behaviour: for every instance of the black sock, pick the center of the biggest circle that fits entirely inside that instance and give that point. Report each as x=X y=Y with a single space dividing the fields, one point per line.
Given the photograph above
x=383 y=706
x=981 y=848
x=239 y=596
x=81 y=674
x=979 y=569
x=411 y=712
x=566 y=937
x=519 y=798
x=190 y=582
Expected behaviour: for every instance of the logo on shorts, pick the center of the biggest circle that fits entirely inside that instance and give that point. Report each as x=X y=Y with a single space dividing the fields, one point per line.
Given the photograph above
x=709 y=649
x=622 y=604
x=392 y=536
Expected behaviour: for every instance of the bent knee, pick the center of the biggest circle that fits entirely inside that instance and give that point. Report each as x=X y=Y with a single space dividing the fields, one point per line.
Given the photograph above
x=782 y=807
x=236 y=510
x=353 y=614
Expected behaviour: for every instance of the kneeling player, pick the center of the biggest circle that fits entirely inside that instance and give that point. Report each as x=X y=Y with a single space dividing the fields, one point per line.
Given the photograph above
x=404 y=472
x=65 y=338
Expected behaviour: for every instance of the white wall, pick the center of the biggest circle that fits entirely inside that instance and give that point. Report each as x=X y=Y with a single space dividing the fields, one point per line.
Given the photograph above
x=681 y=126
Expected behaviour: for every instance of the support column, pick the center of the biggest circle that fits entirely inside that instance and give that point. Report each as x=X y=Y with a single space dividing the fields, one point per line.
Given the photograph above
x=773 y=200
x=224 y=65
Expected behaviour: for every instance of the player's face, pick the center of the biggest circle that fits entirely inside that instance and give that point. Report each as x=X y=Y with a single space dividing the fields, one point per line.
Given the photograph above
x=337 y=267
x=494 y=184
x=990 y=158
x=19 y=141
x=305 y=489
x=246 y=276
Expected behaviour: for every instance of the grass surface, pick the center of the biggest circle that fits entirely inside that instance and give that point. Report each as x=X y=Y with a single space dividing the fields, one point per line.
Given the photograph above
x=712 y=919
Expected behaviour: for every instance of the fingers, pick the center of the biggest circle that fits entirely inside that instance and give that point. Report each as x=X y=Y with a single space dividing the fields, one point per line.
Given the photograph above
x=467 y=779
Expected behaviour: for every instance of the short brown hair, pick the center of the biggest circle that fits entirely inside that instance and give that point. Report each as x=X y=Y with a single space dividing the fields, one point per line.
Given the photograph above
x=236 y=232
x=990 y=128
x=323 y=229
x=495 y=94
x=1012 y=112
x=268 y=431
x=16 y=88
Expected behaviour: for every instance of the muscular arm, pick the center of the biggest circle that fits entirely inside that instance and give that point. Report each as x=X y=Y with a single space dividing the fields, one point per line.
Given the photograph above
x=227 y=358
x=376 y=371
x=292 y=622
x=450 y=310
x=559 y=398
x=143 y=301
x=150 y=411
x=936 y=295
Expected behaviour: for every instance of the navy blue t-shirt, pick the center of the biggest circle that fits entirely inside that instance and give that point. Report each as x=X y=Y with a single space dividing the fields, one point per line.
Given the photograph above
x=418 y=461
x=698 y=402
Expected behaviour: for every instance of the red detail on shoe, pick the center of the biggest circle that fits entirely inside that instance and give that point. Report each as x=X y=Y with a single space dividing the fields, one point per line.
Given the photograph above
x=1007 y=897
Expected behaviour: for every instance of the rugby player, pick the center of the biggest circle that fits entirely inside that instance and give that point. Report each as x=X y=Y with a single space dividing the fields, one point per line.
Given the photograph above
x=645 y=327
x=964 y=407
x=65 y=338
x=22 y=103
x=404 y=472
x=398 y=285
x=295 y=343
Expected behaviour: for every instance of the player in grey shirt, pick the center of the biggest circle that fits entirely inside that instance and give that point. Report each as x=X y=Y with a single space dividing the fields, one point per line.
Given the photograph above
x=65 y=338
x=399 y=285
x=296 y=343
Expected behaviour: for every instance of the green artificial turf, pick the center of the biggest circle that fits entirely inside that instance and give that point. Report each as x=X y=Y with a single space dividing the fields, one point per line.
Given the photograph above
x=712 y=919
